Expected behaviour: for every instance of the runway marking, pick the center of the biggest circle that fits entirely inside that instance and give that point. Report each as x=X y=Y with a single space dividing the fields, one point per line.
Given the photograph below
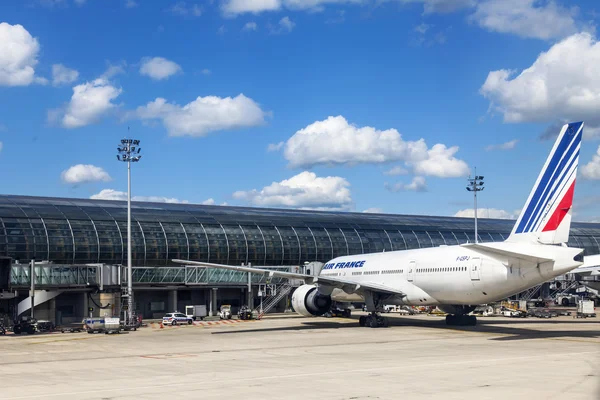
x=190 y=384
x=60 y=340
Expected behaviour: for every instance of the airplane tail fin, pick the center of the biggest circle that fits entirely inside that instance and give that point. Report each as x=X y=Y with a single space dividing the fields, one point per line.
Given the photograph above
x=546 y=217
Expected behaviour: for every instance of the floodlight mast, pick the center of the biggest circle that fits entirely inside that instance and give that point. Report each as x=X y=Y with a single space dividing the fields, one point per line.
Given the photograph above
x=128 y=152
x=475 y=185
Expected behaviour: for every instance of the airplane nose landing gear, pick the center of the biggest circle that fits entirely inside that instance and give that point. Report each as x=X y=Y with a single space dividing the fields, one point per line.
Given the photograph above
x=373 y=320
x=461 y=320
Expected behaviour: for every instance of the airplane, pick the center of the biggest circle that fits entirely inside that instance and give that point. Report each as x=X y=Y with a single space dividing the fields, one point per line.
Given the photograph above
x=455 y=278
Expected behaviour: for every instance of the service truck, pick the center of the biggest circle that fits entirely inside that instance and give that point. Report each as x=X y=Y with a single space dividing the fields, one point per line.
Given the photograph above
x=196 y=312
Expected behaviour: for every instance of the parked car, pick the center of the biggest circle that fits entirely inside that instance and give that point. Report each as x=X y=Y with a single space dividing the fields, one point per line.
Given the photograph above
x=177 y=318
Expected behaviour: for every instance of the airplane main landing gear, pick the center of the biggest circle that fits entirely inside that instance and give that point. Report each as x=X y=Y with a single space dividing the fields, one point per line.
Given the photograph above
x=461 y=320
x=373 y=321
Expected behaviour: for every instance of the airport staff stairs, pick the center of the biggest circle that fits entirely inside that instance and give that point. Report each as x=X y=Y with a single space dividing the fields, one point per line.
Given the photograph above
x=40 y=297
x=272 y=301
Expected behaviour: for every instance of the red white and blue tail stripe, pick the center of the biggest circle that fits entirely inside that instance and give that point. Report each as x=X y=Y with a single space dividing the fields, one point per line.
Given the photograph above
x=546 y=217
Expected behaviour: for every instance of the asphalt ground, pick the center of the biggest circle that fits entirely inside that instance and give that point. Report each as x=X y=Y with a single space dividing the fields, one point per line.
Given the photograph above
x=288 y=357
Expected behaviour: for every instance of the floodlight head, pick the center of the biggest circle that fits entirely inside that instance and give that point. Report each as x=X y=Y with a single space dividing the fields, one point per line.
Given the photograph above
x=118 y=157
x=480 y=183
x=469 y=189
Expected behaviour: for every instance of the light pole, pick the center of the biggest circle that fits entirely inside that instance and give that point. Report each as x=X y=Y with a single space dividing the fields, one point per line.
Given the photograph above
x=475 y=185
x=129 y=151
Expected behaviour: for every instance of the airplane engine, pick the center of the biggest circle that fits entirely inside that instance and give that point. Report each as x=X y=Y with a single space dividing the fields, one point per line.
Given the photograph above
x=456 y=309
x=307 y=301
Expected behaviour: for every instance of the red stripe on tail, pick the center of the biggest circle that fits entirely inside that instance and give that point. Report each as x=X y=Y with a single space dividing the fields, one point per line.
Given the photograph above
x=562 y=210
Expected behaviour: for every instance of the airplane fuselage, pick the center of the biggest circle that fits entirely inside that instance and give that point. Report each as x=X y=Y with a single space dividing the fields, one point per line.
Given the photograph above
x=454 y=275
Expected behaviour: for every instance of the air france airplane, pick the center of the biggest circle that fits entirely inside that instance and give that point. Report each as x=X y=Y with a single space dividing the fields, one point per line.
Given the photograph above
x=456 y=278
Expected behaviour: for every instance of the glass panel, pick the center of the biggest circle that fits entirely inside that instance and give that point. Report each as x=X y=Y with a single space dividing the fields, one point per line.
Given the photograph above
x=368 y=245
x=397 y=240
x=111 y=246
x=497 y=237
x=588 y=244
x=21 y=245
x=156 y=248
x=307 y=245
x=339 y=243
x=291 y=247
x=411 y=240
x=237 y=244
x=138 y=258
x=176 y=241
x=324 y=250
x=354 y=242
x=274 y=246
x=218 y=243
x=424 y=240
x=198 y=243
x=436 y=238
x=256 y=245
x=61 y=241
x=449 y=238
x=86 y=242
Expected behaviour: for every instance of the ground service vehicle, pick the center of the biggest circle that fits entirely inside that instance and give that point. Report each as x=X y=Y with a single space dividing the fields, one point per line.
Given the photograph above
x=196 y=312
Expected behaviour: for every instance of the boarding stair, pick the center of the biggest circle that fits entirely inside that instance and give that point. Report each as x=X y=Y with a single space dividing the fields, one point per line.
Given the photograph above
x=280 y=292
x=529 y=293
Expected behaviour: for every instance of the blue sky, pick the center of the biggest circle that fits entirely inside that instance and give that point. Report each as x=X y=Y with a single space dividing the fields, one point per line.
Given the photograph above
x=325 y=104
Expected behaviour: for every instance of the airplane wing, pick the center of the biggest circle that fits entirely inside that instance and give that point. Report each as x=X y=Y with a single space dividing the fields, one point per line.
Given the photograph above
x=346 y=285
x=482 y=247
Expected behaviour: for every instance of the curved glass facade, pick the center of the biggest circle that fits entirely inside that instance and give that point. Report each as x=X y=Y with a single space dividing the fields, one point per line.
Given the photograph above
x=74 y=231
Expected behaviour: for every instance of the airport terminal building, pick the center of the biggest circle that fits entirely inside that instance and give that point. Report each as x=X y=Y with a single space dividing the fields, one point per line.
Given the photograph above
x=82 y=233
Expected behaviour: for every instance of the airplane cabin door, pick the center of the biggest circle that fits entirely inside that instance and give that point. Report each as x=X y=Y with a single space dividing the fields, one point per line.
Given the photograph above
x=412 y=267
x=475 y=268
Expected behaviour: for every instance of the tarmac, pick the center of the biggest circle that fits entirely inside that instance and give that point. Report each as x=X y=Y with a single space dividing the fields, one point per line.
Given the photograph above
x=289 y=357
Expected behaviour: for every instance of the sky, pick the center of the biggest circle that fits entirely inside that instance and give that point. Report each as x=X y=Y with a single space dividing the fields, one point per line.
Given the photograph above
x=347 y=105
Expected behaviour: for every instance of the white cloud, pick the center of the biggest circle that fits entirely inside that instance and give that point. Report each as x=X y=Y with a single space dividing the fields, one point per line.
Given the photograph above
x=335 y=141
x=591 y=170
x=111 y=194
x=487 y=213
x=113 y=70
x=526 y=18
x=131 y=4
x=504 y=146
x=557 y=86
x=204 y=115
x=159 y=68
x=373 y=210
x=1 y=146
x=206 y=71
x=18 y=56
x=305 y=191
x=84 y=173
x=90 y=101
x=416 y=185
x=275 y=146
x=250 y=26
x=62 y=75
x=209 y=202
x=80 y=2
x=286 y=24
x=397 y=170
x=422 y=28
x=235 y=7
x=446 y=6
x=181 y=8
